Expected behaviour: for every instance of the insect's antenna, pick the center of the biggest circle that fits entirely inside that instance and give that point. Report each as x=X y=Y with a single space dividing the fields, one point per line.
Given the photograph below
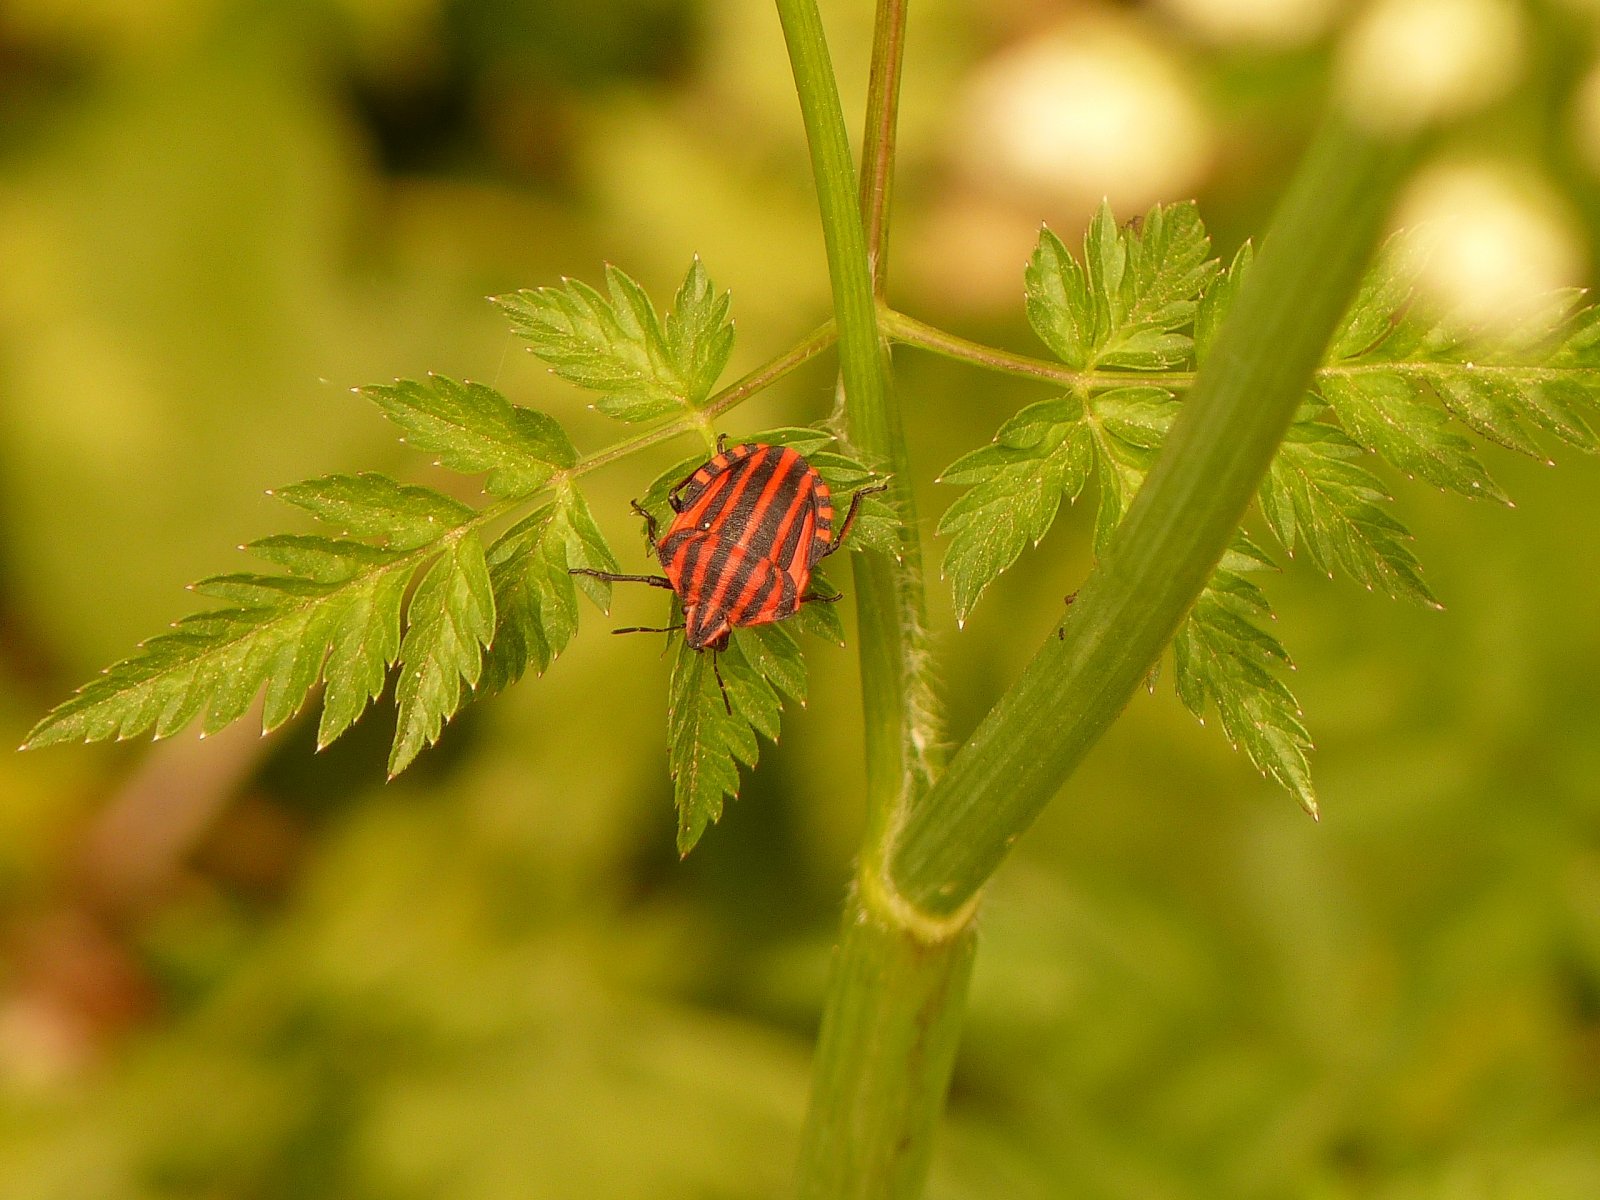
x=717 y=671
x=648 y=629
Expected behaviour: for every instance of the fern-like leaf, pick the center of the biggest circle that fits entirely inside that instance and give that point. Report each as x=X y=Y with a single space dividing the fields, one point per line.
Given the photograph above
x=1318 y=498
x=706 y=742
x=536 y=595
x=1137 y=288
x=644 y=366
x=473 y=428
x=448 y=623
x=1223 y=657
x=338 y=614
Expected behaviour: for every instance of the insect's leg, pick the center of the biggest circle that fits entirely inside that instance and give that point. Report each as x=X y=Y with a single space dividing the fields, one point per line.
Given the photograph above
x=648 y=629
x=649 y=523
x=717 y=671
x=673 y=494
x=850 y=517
x=610 y=577
x=722 y=442
x=819 y=598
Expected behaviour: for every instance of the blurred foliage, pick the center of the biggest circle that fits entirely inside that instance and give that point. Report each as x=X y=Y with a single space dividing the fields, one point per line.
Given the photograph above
x=234 y=968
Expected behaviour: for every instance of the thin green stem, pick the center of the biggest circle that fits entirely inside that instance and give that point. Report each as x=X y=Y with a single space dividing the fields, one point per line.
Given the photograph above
x=907 y=329
x=912 y=332
x=735 y=394
x=1175 y=531
x=888 y=592
x=878 y=146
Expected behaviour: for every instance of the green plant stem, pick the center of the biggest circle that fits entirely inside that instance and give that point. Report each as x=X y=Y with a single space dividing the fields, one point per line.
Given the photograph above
x=1174 y=533
x=892 y=1015
x=888 y=593
x=912 y=332
x=883 y=1059
x=878 y=146
x=735 y=394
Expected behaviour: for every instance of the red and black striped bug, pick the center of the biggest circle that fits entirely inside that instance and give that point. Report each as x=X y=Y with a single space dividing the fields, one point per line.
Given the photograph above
x=749 y=527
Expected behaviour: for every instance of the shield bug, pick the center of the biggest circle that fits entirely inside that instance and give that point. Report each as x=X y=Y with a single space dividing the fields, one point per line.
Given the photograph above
x=748 y=527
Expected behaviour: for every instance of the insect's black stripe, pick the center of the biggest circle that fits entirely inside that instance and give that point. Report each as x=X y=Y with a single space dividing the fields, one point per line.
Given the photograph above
x=688 y=563
x=752 y=603
x=691 y=489
x=742 y=513
x=731 y=576
x=721 y=505
x=708 y=504
x=801 y=524
x=776 y=505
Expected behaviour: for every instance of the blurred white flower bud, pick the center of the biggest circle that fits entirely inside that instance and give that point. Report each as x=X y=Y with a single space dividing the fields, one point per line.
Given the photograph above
x=1407 y=64
x=1489 y=244
x=1089 y=110
x=1263 y=24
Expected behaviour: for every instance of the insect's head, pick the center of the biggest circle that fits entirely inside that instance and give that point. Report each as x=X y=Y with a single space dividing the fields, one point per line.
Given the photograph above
x=705 y=627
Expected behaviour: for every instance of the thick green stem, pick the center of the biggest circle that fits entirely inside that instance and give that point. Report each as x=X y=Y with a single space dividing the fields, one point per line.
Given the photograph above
x=1175 y=531
x=890 y=1024
x=883 y=1060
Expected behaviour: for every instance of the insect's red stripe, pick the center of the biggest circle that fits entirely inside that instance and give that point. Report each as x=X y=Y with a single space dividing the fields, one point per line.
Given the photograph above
x=712 y=497
x=823 y=538
x=691 y=559
x=764 y=600
x=720 y=504
x=757 y=576
x=791 y=529
x=774 y=506
x=696 y=483
x=694 y=593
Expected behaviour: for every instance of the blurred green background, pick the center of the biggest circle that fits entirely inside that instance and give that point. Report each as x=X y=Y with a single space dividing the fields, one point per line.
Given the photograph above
x=235 y=969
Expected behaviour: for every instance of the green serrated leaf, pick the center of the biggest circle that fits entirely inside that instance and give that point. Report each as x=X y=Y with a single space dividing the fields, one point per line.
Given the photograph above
x=586 y=547
x=363 y=642
x=642 y=366
x=775 y=656
x=819 y=618
x=1218 y=302
x=259 y=591
x=536 y=595
x=803 y=439
x=1136 y=417
x=371 y=505
x=450 y=620
x=1318 y=499
x=473 y=429
x=1013 y=496
x=705 y=742
x=1222 y=658
x=1058 y=302
x=1137 y=290
x=1168 y=267
x=323 y=559
x=1488 y=403
x=1384 y=412
x=1379 y=306
x=699 y=334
